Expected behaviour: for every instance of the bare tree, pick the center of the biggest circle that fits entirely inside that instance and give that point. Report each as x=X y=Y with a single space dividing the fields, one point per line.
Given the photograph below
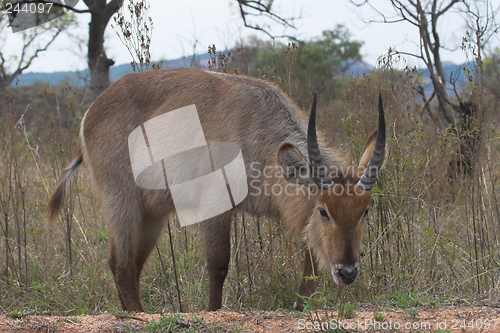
x=100 y=12
x=425 y=16
x=34 y=42
x=481 y=21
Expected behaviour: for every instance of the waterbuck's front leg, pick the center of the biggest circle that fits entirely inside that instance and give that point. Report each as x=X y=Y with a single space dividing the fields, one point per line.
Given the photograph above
x=308 y=283
x=217 y=232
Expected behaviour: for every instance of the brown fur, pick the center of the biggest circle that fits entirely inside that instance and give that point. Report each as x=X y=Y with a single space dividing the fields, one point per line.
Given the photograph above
x=269 y=130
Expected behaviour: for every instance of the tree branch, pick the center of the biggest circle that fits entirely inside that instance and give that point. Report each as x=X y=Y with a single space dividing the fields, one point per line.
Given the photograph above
x=445 y=9
x=111 y=8
x=263 y=10
x=406 y=9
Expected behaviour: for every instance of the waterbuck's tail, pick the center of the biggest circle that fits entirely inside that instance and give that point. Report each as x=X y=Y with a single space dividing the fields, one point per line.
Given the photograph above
x=57 y=198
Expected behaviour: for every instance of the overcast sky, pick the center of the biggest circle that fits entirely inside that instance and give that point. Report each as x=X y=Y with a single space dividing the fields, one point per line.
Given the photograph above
x=178 y=24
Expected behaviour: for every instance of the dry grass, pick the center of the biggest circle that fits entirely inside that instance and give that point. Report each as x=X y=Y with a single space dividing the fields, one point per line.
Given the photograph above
x=429 y=237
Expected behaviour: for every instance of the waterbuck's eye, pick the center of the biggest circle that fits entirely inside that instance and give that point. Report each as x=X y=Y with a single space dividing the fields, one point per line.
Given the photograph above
x=323 y=212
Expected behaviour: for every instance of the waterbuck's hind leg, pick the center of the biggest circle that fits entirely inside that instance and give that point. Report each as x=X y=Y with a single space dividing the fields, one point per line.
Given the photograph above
x=308 y=282
x=217 y=232
x=112 y=262
x=124 y=223
x=125 y=274
x=149 y=232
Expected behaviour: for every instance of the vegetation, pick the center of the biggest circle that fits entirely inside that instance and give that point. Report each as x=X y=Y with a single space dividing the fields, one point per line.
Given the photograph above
x=430 y=238
x=301 y=67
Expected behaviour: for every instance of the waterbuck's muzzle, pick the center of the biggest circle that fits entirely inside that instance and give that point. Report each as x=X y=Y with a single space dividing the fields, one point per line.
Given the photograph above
x=345 y=274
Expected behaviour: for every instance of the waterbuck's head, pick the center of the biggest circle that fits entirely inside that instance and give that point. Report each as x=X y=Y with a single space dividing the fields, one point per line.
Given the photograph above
x=337 y=200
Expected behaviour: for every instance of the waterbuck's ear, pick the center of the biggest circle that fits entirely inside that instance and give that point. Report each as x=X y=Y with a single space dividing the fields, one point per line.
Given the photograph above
x=295 y=167
x=367 y=152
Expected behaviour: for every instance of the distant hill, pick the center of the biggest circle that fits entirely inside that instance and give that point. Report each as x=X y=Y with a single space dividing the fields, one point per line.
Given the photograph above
x=82 y=77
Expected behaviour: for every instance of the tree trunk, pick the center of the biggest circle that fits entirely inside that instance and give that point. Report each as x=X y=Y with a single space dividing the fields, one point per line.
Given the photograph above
x=469 y=134
x=98 y=62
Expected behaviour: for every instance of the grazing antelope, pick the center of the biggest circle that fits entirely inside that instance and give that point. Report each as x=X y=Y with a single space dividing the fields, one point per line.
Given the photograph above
x=323 y=201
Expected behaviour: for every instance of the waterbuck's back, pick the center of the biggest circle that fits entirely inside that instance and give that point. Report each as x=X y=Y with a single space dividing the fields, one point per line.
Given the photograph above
x=249 y=112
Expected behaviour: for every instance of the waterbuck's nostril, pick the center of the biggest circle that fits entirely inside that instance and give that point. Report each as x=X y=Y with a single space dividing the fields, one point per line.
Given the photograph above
x=348 y=275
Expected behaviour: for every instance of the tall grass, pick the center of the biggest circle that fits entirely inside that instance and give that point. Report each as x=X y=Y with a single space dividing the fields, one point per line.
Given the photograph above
x=428 y=234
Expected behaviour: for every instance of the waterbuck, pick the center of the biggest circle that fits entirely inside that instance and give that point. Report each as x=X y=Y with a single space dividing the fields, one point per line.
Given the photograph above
x=289 y=176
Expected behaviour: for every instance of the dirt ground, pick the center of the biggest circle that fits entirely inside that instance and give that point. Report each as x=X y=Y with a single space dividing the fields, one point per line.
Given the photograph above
x=430 y=319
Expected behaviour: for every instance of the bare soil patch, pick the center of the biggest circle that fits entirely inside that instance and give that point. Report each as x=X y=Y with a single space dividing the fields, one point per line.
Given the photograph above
x=430 y=319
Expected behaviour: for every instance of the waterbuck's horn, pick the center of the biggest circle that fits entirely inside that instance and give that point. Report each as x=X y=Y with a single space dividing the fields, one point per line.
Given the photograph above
x=372 y=170
x=318 y=167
